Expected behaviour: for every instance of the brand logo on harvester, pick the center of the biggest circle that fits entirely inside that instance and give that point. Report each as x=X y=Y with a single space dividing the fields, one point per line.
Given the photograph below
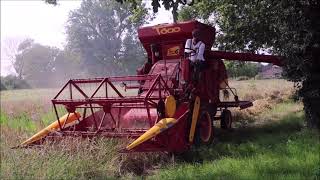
x=166 y=30
x=173 y=51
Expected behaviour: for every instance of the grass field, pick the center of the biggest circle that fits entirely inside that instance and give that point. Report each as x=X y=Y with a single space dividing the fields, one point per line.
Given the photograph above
x=269 y=141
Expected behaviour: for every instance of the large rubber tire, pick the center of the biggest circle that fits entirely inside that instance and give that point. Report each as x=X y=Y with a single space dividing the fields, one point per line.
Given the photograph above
x=204 y=134
x=226 y=119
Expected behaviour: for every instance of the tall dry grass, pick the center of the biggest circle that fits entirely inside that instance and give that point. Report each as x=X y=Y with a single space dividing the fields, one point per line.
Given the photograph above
x=24 y=112
x=264 y=94
x=74 y=158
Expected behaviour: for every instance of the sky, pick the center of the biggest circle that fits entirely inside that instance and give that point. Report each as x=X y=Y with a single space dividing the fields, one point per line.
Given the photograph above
x=44 y=23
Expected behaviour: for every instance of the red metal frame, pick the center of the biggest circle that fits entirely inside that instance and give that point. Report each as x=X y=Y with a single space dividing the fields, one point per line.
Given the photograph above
x=91 y=102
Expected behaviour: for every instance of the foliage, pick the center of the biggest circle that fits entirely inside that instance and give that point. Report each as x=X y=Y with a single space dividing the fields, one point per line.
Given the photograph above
x=19 y=64
x=168 y=4
x=104 y=34
x=2 y=86
x=53 y=2
x=288 y=28
x=155 y=3
x=201 y=10
x=236 y=69
x=43 y=66
x=13 y=82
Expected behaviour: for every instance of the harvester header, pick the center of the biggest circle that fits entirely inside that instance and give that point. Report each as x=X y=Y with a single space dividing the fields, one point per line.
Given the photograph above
x=161 y=108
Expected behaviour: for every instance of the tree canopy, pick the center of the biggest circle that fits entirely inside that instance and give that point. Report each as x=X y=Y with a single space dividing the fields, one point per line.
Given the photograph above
x=287 y=28
x=236 y=69
x=156 y=4
x=13 y=82
x=104 y=34
x=43 y=66
x=101 y=40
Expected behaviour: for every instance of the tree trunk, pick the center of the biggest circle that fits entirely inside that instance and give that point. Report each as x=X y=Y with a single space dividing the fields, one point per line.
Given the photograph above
x=311 y=100
x=311 y=107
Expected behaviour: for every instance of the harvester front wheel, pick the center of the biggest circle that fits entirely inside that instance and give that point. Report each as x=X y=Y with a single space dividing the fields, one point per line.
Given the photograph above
x=205 y=129
x=226 y=119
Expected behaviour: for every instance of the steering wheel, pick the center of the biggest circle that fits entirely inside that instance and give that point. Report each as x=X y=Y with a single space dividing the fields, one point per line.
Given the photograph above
x=191 y=52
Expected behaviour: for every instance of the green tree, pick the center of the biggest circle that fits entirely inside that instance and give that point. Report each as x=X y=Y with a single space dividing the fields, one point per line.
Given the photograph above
x=13 y=82
x=2 y=86
x=236 y=69
x=43 y=66
x=66 y=65
x=156 y=4
x=167 y=4
x=19 y=64
x=104 y=34
x=287 y=28
x=34 y=62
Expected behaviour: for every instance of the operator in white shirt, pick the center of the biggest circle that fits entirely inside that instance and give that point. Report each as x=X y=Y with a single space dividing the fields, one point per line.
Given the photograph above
x=194 y=49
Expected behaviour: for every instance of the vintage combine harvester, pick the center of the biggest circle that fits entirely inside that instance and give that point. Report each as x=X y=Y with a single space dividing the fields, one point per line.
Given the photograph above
x=161 y=108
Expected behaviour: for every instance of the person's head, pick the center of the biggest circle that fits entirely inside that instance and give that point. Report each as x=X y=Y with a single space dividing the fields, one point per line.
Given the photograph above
x=196 y=34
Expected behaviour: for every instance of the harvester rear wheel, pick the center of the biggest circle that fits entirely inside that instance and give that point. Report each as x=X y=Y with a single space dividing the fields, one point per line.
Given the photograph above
x=205 y=129
x=226 y=119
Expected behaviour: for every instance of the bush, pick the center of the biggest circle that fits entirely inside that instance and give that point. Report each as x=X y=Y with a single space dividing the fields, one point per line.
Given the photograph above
x=237 y=69
x=258 y=77
x=2 y=86
x=13 y=82
x=242 y=78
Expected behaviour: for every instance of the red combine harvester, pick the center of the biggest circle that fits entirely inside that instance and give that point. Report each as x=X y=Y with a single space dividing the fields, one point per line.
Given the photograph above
x=161 y=107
